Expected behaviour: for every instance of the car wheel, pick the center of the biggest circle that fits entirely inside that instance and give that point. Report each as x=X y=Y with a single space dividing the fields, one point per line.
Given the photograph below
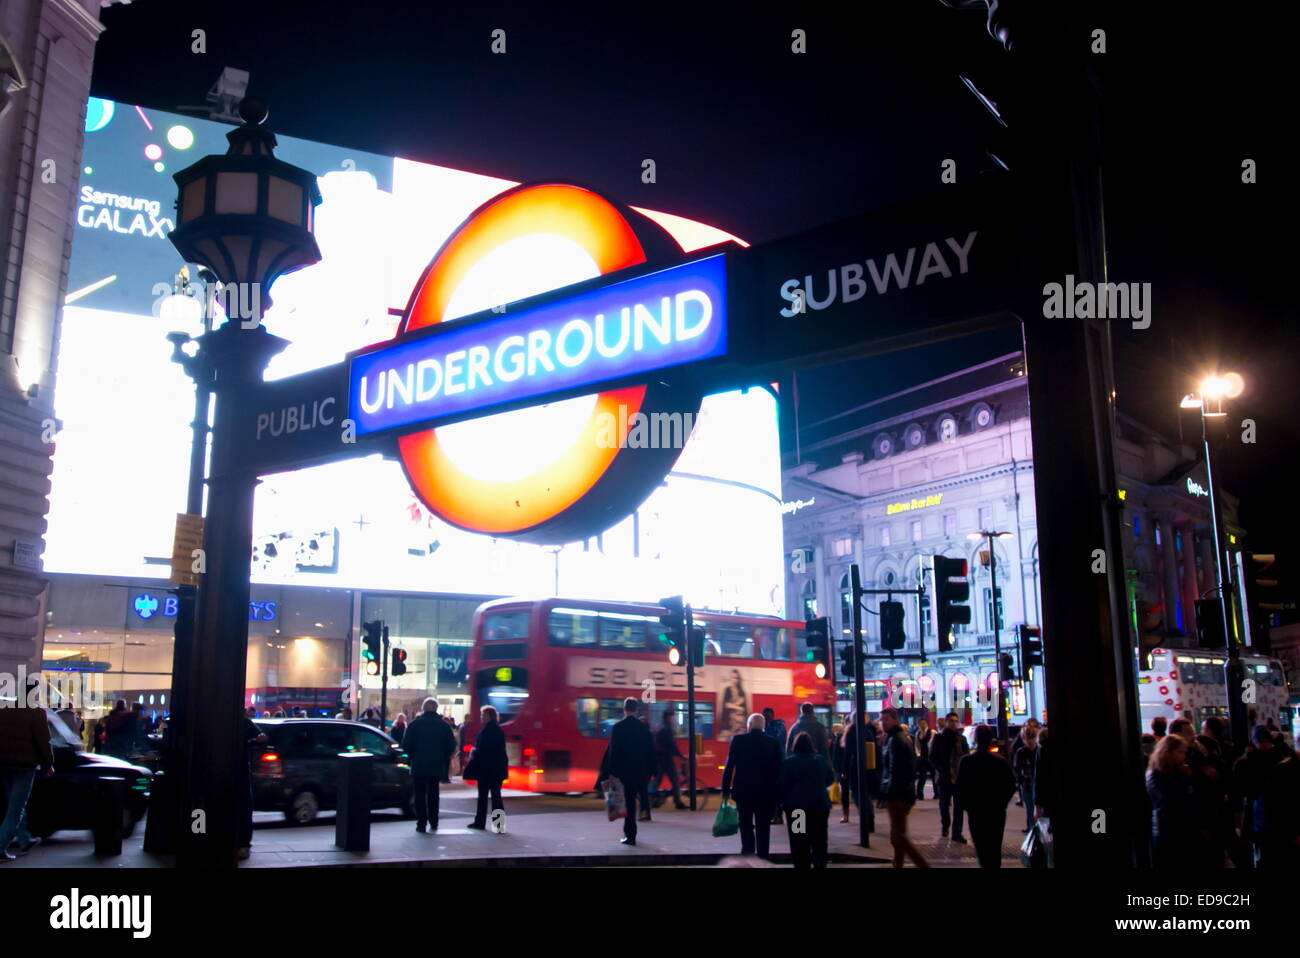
x=303 y=809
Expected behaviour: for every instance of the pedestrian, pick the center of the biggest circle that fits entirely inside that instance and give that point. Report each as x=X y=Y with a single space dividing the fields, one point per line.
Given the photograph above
x=811 y=726
x=1249 y=775
x=753 y=775
x=630 y=758
x=1173 y=805
x=344 y=713
x=1209 y=795
x=862 y=802
x=1277 y=815
x=1159 y=727
x=837 y=766
x=429 y=744
x=805 y=776
x=875 y=735
x=667 y=755
x=643 y=814
x=25 y=752
x=775 y=729
x=898 y=786
x=924 y=770
x=1216 y=728
x=1023 y=761
x=244 y=788
x=985 y=784
x=119 y=731
x=946 y=754
x=398 y=728
x=488 y=766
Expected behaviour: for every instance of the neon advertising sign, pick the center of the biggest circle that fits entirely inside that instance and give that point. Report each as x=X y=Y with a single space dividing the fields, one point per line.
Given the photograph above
x=438 y=367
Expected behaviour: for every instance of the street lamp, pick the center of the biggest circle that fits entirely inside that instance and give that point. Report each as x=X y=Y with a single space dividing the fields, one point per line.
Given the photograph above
x=997 y=624
x=1209 y=400
x=246 y=216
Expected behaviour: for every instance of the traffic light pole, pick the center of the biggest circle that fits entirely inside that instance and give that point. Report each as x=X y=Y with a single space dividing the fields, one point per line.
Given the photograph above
x=997 y=641
x=860 y=711
x=383 y=683
x=690 y=704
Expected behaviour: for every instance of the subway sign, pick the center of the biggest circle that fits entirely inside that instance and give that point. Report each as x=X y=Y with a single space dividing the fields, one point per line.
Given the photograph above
x=658 y=320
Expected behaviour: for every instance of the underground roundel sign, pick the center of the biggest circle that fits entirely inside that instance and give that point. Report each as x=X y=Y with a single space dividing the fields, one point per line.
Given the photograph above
x=559 y=471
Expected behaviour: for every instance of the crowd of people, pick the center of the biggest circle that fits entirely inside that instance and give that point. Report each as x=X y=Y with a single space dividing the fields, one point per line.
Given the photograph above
x=1215 y=804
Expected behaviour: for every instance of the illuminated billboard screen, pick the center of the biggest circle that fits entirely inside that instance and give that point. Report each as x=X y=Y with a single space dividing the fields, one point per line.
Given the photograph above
x=712 y=531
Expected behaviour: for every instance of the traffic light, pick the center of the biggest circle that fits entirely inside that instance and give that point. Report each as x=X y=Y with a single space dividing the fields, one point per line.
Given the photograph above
x=948 y=596
x=1150 y=628
x=371 y=646
x=399 y=662
x=1209 y=624
x=1259 y=600
x=1005 y=671
x=847 y=660
x=817 y=639
x=892 y=636
x=672 y=628
x=697 y=648
x=1031 y=649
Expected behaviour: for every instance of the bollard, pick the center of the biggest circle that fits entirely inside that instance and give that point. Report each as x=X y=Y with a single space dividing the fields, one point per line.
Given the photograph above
x=160 y=824
x=352 y=819
x=110 y=804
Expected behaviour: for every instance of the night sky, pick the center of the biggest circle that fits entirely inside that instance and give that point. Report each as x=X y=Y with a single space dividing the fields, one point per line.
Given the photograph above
x=763 y=142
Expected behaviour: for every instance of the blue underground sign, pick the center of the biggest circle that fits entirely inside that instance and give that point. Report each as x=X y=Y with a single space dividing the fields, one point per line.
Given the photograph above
x=667 y=318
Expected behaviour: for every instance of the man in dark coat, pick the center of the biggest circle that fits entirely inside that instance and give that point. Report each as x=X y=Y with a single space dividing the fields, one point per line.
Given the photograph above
x=946 y=752
x=898 y=786
x=986 y=783
x=630 y=758
x=24 y=752
x=430 y=744
x=814 y=729
x=489 y=765
x=753 y=775
x=667 y=754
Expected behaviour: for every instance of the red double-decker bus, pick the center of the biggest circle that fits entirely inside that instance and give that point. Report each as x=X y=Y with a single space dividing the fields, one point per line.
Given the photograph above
x=558 y=670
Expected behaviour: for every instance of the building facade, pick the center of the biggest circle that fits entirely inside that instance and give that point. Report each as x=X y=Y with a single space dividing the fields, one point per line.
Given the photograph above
x=923 y=472
x=46 y=51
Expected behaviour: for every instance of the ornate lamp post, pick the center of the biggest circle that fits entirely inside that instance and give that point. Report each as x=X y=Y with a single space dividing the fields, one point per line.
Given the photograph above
x=246 y=216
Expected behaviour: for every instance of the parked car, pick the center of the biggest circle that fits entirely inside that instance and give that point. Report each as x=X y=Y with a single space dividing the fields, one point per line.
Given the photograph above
x=67 y=799
x=296 y=771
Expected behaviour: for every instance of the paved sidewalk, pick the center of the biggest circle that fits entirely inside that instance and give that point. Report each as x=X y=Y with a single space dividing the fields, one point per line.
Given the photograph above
x=541 y=831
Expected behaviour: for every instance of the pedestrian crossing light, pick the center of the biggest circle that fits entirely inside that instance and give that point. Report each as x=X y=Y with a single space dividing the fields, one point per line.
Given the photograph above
x=892 y=635
x=697 y=648
x=1031 y=649
x=399 y=662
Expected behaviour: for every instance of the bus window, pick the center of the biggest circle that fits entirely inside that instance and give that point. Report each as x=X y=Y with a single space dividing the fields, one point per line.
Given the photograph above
x=783 y=645
x=597 y=716
x=1264 y=674
x=505 y=625
x=730 y=639
x=572 y=627
x=624 y=631
x=504 y=687
x=703 y=717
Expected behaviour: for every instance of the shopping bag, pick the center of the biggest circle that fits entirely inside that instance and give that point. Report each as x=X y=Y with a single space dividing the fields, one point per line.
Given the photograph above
x=1031 y=850
x=835 y=793
x=727 y=821
x=1044 y=829
x=615 y=801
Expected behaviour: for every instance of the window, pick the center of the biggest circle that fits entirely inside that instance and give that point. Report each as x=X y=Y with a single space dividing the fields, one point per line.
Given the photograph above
x=842 y=547
x=846 y=604
x=703 y=717
x=810 y=600
x=884 y=535
x=986 y=518
x=771 y=644
x=730 y=639
x=505 y=625
x=618 y=631
x=572 y=627
x=916 y=530
x=950 y=524
x=364 y=740
x=988 y=609
x=597 y=716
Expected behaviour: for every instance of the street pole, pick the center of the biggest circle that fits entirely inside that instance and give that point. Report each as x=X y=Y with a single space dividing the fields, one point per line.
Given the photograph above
x=860 y=708
x=216 y=746
x=1233 y=673
x=997 y=641
x=383 y=682
x=688 y=622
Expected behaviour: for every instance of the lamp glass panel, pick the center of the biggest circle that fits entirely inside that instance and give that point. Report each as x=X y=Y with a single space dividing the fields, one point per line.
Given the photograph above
x=192 y=199
x=236 y=193
x=284 y=200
